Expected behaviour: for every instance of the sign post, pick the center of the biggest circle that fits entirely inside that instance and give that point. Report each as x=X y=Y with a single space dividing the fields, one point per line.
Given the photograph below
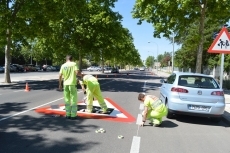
x=221 y=45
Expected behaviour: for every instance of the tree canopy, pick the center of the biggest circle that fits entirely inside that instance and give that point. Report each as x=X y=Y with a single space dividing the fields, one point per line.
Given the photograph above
x=179 y=16
x=49 y=30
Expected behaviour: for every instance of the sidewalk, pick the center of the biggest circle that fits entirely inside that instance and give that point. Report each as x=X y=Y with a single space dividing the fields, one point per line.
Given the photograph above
x=17 y=78
x=226 y=115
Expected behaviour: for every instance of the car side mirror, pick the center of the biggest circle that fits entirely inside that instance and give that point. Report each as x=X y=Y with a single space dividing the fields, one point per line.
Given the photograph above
x=163 y=81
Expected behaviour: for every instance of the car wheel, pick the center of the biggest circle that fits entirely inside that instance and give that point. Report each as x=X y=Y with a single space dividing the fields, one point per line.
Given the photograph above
x=169 y=114
x=216 y=119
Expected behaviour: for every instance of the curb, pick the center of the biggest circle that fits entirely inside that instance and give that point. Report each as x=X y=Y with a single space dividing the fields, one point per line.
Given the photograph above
x=226 y=115
x=2 y=84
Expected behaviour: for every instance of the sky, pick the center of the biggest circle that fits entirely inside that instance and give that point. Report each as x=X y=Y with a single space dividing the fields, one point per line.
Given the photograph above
x=143 y=33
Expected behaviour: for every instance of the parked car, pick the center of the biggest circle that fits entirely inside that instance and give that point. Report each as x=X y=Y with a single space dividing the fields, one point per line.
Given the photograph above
x=115 y=70
x=30 y=67
x=142 y=69
x=107 y=68
x=57 y=68
x=192 y=94
x=2 y=69
x=19 y=68
x=38 y=67
x=93 y=68
x=50 y=68
x=12 y=68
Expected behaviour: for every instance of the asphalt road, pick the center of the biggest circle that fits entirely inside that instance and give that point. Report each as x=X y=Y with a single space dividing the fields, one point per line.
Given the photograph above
x=24 y=131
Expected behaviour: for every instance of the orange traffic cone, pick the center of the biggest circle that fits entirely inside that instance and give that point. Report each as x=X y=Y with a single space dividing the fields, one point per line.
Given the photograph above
x=27 y=87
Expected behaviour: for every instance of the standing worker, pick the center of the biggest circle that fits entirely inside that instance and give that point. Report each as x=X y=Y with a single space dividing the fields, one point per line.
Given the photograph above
x=92 y=90
x=68 y=71
x=154 y=109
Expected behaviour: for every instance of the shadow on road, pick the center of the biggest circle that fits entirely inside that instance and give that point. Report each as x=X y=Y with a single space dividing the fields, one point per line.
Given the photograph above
x=8 y=107
x=199 y=120
x=27 y=134
x=165 y=124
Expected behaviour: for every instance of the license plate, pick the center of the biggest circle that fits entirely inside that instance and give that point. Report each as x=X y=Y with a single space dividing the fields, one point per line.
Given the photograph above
x=198 y=108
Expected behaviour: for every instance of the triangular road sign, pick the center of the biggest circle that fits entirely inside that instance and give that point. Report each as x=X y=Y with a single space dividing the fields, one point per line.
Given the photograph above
x=116 y=112
x=222 y=43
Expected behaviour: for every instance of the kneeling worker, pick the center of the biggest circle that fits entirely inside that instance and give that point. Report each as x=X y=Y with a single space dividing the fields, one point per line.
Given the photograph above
x=92 y=90
x=154 y=109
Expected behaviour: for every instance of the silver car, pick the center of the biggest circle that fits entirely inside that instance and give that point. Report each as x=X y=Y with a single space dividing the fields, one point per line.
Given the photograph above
x=192 y=94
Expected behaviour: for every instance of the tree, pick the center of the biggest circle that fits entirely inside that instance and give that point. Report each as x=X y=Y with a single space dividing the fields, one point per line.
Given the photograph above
x=23 y=19
x=149 y=62
x=178 y=16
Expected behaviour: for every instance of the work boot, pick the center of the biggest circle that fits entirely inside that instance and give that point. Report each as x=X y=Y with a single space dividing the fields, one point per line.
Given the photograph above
x=67 y=117
x=156 y=125
x=155 y=122
x=73 y=118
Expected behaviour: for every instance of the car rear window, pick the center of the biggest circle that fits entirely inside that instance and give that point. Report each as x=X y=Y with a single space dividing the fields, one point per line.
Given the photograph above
x=197 y=82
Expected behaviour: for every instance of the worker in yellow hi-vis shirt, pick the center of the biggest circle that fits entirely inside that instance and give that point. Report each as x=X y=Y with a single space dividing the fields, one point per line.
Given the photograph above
x=92 y=90
x=154 y=109
x=68 y=71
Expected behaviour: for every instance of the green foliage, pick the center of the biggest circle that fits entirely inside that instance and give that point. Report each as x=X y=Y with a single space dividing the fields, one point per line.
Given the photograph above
x=183 y=17
x=149 y=62
x=49 y=30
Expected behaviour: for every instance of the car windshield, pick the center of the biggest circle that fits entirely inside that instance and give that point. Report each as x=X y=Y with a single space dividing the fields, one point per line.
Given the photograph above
x=197 y=82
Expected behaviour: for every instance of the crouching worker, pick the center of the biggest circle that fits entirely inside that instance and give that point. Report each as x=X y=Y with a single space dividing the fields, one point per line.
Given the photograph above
x=154 y=109
x=92 y=90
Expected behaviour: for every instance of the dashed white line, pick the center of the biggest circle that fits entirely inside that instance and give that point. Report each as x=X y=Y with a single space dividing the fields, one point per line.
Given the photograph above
x=18 y=91
x=31 y=109
x=141 y=106
x=135 y=147
x=135 y=144
x=139 y=117
x=39 y=105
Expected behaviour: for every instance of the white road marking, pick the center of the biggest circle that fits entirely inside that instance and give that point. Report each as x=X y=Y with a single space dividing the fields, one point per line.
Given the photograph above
x=144 y=88
x=139 y=119
x=39 y=105
x=18 y=91
x=30 y=109
x=141 y=106
x=135 y=147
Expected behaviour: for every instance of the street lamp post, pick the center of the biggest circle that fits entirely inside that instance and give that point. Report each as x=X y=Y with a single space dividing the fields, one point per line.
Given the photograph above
x=173 y=54
x=157 y=54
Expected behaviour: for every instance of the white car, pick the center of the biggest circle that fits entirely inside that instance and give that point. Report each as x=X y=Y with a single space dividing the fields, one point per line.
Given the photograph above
x=93 y=68
x=192 y=94
x=142 y=69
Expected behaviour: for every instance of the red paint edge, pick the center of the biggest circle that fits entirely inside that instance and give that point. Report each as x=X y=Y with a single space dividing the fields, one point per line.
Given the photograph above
x=210 y=50
x=129 y=118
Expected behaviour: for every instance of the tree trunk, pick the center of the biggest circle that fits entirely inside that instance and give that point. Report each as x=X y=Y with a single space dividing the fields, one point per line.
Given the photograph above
x=7 y=57
x=103 y=63
x=80 y=61
x=201 y=33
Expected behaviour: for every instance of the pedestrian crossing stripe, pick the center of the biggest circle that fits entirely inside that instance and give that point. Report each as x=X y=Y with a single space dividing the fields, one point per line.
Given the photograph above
x=117 y=113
